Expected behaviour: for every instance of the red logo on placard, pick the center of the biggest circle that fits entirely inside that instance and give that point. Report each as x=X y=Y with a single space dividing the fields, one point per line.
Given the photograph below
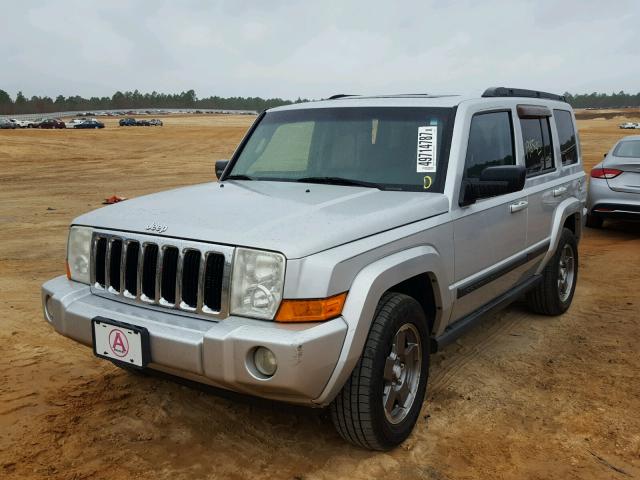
x=118 y=343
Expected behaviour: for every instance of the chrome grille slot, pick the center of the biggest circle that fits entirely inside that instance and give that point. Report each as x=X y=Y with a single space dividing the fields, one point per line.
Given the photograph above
x=190 y=278
x=100 y=258
x=131 y=269
x=213 y=275
x=169 y=275
x=115 y=260
x=161 y=273
x=149 y=267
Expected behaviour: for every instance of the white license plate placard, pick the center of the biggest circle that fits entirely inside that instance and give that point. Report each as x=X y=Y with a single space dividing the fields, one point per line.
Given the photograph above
x=120 y=342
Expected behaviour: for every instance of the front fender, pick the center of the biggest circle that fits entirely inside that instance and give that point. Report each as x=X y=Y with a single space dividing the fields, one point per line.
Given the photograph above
x=564 y=210
x=365 y=293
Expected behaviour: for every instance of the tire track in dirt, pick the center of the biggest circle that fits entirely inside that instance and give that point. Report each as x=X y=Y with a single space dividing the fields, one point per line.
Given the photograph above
x=470 y=346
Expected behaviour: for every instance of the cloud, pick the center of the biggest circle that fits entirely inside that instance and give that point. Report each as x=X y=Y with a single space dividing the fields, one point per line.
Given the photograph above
x=290 y=49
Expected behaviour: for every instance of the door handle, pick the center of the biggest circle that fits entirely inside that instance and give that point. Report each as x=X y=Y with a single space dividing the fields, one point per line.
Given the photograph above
x=558 y=192
x=516 y=207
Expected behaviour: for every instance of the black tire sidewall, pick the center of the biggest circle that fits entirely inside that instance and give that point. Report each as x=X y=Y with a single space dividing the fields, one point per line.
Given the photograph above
x=567 y=238
x=407 y=311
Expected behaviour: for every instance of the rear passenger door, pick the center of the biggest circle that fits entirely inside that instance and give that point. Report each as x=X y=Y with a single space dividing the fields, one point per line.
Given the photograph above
x=490 y=234
x=544 y=155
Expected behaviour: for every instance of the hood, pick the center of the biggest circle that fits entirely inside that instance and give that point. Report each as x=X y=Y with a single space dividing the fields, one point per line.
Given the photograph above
x=297 y=219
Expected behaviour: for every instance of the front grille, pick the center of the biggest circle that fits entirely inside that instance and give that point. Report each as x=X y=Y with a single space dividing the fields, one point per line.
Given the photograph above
x=192 y=277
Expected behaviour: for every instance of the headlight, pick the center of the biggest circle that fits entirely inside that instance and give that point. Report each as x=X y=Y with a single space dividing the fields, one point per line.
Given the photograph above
x=257 y=283
x=78 y=253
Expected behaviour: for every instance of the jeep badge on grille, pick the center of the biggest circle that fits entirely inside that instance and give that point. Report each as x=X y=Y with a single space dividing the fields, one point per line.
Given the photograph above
x=156 y=227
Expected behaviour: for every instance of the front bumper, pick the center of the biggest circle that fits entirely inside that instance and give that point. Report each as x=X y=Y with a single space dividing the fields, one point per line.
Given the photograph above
x=215 y=353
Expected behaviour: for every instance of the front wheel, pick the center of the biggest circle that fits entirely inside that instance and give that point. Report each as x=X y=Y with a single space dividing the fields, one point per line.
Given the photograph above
x=554 y=294
x=380 y=403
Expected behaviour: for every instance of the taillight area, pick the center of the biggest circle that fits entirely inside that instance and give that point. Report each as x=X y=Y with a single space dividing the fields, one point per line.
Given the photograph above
x=605 y=173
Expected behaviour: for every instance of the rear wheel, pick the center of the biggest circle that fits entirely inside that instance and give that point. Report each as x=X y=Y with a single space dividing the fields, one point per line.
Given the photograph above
x=594 y=222
x=380 y=403
x=554 y=294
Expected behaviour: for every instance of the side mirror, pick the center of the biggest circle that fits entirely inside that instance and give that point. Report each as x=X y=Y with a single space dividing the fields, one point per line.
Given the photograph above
x=220 y=166
x=493 y=181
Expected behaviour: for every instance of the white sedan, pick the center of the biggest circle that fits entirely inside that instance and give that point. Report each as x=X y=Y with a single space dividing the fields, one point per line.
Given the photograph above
x=74 y=122
x=21 y=123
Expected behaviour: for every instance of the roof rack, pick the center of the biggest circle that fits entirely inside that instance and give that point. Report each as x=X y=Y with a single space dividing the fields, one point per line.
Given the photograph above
x=521 y=92
x=341 y=95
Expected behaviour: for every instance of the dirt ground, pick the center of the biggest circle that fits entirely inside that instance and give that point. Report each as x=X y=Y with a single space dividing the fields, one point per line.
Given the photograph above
x=522 y=396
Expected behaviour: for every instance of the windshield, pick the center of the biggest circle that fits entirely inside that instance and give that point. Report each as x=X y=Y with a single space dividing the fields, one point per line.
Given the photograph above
x=630 y=148
x=394 y=148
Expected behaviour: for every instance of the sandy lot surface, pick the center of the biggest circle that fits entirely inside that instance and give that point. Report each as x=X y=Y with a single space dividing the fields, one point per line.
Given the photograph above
x=522 y=396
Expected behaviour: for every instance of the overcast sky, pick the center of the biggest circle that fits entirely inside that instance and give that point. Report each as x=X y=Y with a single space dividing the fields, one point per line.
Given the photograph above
x=315 y=49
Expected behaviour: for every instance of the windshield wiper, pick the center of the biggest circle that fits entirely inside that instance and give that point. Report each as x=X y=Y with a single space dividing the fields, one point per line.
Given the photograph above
x=339 y=181
x=239 y=177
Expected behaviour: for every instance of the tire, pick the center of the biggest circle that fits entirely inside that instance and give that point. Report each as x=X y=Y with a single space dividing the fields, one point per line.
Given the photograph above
x=594 y=222
x=553 y=296
x=358 y=412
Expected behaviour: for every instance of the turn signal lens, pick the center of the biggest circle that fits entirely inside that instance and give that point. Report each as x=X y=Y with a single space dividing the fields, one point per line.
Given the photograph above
x=316 y=310
x=605 y=173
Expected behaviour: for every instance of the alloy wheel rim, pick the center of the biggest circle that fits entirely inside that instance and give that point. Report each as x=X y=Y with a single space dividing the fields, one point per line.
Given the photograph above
x=566 y=273
x=402 y=371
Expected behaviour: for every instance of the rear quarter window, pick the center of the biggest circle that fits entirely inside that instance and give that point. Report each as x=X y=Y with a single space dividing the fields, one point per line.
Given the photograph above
x=566 y=137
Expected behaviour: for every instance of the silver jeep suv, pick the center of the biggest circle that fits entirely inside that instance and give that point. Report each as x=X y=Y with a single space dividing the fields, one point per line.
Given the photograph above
x=344 y=242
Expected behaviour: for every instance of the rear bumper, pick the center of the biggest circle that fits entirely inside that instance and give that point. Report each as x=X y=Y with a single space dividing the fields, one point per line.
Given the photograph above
x=606 y=203
x=617 y=210
x=215 y=353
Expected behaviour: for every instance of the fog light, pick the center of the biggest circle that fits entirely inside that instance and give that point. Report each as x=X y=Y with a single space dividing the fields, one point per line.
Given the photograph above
x=48 y=304
x=265 y=361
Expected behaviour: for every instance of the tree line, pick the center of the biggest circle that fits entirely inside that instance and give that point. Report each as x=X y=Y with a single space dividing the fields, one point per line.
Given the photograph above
x=134 y=100
x=603 y=100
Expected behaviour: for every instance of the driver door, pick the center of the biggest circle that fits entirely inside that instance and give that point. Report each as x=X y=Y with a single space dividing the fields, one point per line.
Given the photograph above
x=489 y=235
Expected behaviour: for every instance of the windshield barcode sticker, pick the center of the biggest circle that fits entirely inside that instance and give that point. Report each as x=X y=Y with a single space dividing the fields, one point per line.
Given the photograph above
x=427 y=148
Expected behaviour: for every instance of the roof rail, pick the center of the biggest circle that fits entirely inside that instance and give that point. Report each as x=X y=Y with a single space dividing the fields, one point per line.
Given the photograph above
x=521 y=92
x=341 y=95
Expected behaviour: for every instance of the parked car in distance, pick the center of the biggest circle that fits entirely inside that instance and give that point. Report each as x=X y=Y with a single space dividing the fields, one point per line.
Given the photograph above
x=143 y=123
x=155 y=122
x=22 y=123
x=345 y=241
x=614 y=188
x=52 y=123
x=7 y=124
x=89 y=124
x=127 y=122
x=74 y=122
x=627 y=125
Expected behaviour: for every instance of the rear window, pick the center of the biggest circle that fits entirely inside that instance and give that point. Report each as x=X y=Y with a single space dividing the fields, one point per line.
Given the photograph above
x=628 y=148
x=538 y=147
x=567 y=137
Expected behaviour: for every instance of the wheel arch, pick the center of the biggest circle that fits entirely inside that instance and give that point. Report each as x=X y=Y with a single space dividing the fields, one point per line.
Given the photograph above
x=403 y=272
x=568 y=213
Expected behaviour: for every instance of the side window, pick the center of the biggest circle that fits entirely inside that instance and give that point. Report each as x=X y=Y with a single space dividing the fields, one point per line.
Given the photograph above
x=490 y=143
x=538 y=147
x=567 y=137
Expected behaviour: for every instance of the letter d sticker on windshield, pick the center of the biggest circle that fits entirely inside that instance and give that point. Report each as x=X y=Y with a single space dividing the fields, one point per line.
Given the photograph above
x=427 y=148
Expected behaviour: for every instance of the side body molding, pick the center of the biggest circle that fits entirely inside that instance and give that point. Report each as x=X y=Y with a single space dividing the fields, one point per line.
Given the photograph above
x=367 y=289
x=564 y=210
